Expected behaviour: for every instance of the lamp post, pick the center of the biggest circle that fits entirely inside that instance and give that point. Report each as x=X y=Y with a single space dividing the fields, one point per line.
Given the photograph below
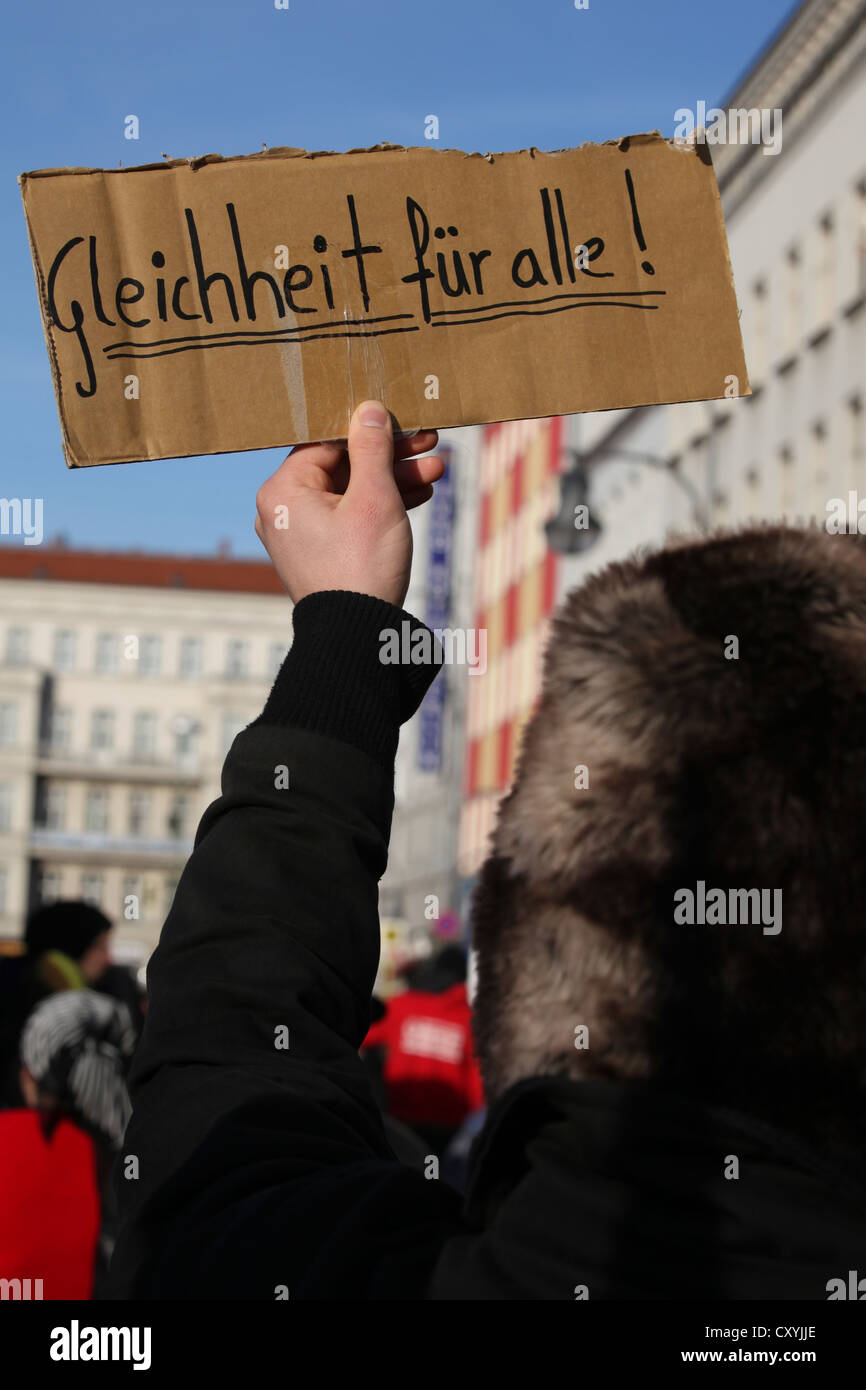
x=563 y=532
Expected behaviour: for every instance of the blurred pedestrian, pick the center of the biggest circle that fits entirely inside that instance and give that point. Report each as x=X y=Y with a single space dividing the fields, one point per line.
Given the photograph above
x=75 y=1051
x=76 y=1048
x=66 y=947
x=430 y=1072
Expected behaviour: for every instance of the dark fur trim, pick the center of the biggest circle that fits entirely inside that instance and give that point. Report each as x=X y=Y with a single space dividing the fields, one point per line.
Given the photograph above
x=747 y=773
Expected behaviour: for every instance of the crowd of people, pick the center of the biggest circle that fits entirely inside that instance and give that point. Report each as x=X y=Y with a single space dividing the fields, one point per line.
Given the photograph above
x=70 y=1019
x=69 y=1022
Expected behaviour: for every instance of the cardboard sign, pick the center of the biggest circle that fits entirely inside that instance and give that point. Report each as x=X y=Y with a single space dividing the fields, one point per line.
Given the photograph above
x=200 y=306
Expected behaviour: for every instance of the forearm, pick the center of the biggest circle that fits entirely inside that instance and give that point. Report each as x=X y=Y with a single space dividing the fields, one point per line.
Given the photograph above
x=254 y=1126
x=267 y=960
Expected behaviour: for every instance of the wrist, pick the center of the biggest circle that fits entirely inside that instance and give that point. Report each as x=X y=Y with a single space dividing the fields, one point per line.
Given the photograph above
x=356 y=671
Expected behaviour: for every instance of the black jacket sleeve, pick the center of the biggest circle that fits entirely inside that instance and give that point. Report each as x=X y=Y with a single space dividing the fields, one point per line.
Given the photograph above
x=255 y=1164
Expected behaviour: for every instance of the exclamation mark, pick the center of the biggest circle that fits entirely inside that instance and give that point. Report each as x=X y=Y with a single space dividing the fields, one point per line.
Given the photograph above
x=638 y=230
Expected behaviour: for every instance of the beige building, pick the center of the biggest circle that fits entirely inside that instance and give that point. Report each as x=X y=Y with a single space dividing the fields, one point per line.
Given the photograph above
x=123 y=680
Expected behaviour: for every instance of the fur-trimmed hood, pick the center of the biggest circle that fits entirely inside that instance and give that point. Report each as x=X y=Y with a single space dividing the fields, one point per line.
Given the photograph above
x=702 y=722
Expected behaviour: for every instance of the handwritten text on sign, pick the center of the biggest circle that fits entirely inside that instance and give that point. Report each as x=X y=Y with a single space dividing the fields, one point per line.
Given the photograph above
x=338 y=266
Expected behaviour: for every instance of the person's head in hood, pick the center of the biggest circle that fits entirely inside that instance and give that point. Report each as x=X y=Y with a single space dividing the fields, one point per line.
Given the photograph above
x=75 y=930
x=677 y=886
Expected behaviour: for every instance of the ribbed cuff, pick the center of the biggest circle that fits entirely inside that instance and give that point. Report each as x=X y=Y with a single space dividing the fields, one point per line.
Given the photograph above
x=334 y=680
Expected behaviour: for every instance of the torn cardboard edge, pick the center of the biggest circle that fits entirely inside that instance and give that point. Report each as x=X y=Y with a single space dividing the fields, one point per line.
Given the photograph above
x=623 y=142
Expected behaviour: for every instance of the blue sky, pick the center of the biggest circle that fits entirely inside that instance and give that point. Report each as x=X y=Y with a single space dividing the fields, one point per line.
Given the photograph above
x=232 y=75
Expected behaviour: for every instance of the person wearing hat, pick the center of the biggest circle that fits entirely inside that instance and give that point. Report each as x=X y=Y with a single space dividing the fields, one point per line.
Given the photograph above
x=66 y=947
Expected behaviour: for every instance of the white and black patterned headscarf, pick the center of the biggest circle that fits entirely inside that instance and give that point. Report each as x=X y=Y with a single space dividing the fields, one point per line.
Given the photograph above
x=77 y=1046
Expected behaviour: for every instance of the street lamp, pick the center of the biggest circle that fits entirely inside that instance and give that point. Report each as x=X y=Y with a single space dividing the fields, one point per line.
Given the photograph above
x=562 y=531
x=569 y=536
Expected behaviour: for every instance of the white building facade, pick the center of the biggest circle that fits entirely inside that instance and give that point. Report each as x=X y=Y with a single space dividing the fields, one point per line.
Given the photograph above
x=120 y=694
x=796 y=223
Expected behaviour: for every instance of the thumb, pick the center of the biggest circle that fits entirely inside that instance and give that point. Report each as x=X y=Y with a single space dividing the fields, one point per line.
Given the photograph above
x=370 y=445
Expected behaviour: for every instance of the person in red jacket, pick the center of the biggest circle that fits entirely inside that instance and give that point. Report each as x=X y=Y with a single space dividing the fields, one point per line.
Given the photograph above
x=50 y=1216
x=431 y=1076
x=63 y=1105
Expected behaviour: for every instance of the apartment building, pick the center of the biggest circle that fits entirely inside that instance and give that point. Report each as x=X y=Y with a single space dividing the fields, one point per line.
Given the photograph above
x=796 y=224
x=123 y=680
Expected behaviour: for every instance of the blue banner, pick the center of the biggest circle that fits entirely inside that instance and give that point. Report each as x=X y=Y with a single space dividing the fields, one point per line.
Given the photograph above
x=440 y=544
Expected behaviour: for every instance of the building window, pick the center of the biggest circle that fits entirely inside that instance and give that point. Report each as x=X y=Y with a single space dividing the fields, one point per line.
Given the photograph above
x=144 y=735
x=17 y=646
x=820 y=468
x=276 y=657
x=131 y=897
x=184 y=729
x=50 y=885
x=54 y=806
x=191 y=649
x=792 y=304
x=92 y=889
x=150 y=656
x=788 y=480
x=178 y=817
x=5 y=806
x=139 y=812
x=237 y=659
x=759 y=336
x=860 y=225
x=856 y=444
x=64 y=649
x=170 y=890
x=102 y=729
x=106 y=653
x=825 y=271
x=8 y=724
x=231 y=726
x=96 y=810
x=390 y=902
x=59 y=729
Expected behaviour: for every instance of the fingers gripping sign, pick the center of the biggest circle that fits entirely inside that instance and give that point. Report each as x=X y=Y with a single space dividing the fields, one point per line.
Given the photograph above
x=334 y=515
